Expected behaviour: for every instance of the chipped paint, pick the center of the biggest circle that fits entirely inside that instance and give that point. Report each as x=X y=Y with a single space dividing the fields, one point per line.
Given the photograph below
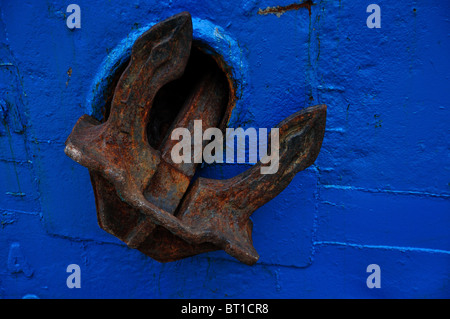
x=280 y=10
x=69 y=75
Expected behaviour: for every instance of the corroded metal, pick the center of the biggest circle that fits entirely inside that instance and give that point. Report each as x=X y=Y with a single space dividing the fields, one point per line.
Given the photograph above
x=151 y=203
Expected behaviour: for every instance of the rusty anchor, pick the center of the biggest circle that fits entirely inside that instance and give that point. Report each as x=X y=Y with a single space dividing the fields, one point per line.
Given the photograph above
x=155 y=205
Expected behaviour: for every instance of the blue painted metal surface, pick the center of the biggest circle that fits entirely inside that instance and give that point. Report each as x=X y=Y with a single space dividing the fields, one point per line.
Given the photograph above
x=378 y=193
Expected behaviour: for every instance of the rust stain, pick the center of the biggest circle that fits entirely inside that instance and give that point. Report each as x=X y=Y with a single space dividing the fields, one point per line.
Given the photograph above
x=279 y=10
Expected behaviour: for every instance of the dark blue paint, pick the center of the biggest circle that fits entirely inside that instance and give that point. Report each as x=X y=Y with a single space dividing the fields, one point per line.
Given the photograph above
x=379 y=192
